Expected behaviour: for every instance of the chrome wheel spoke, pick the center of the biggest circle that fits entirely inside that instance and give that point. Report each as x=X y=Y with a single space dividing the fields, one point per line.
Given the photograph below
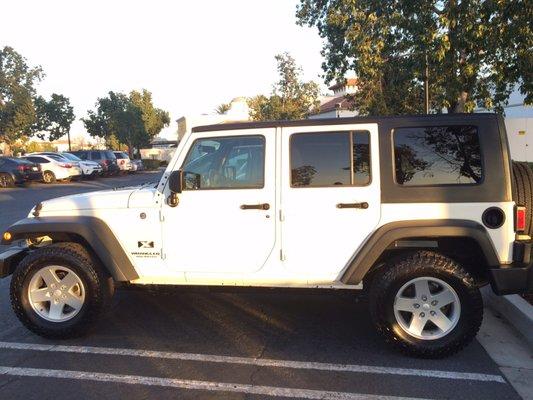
x=443 y=298
x=69 y=281
x=40 y=295
x=404 y=304
x=56 y=310
x=74 y=301
x=441 y=321
x=417 y=325
x=49 y=277
x=422 y=288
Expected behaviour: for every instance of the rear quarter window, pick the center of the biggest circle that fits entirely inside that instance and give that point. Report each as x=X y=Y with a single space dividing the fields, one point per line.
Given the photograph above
x=437 y=155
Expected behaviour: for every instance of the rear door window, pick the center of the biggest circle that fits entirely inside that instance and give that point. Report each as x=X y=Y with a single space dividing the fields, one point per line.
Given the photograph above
x=437 y=155
x=324 y=159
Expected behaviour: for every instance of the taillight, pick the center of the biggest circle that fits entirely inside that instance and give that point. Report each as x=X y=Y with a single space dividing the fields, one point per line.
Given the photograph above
x=20 y=168
x=65 y=165
x=520 y=219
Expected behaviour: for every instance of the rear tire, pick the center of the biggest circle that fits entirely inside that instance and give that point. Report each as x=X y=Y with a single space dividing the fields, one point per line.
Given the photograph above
x=6 y=181
x=59 y=291
x=394 y=289
x=49 y=177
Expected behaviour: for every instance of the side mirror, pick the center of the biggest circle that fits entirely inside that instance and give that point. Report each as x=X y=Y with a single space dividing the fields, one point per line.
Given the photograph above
x=175 y=184
x=175 y=181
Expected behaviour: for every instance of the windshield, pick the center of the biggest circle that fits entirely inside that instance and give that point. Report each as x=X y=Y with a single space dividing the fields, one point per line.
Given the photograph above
x=71 y=157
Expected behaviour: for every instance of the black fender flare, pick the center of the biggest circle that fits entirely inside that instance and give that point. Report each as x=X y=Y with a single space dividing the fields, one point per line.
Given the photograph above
x=94 y=232
x=384 y=236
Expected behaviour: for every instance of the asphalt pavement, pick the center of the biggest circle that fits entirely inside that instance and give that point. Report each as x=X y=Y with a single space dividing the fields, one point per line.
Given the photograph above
x=200 y=344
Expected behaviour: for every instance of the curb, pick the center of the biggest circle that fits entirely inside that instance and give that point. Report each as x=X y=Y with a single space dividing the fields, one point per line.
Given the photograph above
x=517 y=311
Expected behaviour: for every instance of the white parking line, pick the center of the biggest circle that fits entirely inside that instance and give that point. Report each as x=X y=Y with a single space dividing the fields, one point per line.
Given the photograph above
x=271 y=391
x=258 y=362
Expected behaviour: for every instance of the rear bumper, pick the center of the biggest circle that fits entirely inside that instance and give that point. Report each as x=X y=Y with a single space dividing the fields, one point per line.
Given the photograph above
x=515 y=278
x=9 y=260
x=21 y=177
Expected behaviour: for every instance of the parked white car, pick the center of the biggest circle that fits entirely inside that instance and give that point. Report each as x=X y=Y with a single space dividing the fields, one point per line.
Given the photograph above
x=123 y=161
x=55 y=168
x=89 y=168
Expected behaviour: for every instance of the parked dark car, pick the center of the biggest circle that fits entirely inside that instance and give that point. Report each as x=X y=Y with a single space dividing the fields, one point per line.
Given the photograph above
x=14 y=170
x=106 y=158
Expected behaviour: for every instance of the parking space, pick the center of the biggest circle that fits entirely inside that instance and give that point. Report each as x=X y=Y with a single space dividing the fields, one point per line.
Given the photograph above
x=200 y=344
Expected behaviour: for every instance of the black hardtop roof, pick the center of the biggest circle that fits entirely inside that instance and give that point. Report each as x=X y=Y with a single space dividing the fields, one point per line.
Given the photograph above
x=430 y=118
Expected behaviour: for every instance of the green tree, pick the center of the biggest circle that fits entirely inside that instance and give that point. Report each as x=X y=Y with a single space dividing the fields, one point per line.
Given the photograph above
x=53 y=117
x=291 y=98
x=17 y=90
x=130 y=120
x=477 y=51
x=223 y=108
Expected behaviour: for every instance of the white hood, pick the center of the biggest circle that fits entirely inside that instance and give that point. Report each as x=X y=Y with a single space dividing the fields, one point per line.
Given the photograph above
x=107 y=199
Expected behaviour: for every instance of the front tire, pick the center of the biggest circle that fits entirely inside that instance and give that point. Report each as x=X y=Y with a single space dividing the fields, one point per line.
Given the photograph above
x=59 y=291
x=426 y=305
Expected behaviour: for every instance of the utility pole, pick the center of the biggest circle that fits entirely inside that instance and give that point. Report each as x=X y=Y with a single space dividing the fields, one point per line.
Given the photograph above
x=426 y=84
x=68 y=136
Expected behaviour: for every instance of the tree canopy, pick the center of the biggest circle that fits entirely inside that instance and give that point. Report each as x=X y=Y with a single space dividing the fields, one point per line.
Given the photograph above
x=129 y=119
x=477 y=51
x=291 y=98
x=53 y=117
x=22 y=112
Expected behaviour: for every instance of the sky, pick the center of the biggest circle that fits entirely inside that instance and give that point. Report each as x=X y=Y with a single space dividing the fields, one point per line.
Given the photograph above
x=192 y=55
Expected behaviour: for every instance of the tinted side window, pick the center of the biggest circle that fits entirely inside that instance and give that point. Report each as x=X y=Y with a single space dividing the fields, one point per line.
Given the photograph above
x=330 y=159
x=95 y=155
x=38 y=160
x=361 y=157
x=226 y=163
x=439 y=155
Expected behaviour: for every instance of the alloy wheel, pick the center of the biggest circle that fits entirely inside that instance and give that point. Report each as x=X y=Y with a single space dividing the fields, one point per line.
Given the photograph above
x=56 y=293
x=427 y=308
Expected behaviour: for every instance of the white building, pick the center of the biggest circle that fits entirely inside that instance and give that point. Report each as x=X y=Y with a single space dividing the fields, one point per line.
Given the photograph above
x=337 y=105
x=519 y=126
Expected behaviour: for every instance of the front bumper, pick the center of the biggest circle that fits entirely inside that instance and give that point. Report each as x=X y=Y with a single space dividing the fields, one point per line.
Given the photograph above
x=10 y=258
x=515 y=278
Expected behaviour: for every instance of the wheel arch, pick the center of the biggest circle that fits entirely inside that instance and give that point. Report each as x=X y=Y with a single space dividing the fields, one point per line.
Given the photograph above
x=91 y=232
x=445 y=233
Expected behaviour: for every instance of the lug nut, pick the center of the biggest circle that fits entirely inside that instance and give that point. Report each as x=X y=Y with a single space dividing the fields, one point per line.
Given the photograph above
x=63 y=287
x=433 y=313
x=424 y=298
x=434 y=303
x=422 y=315
x=416 y=305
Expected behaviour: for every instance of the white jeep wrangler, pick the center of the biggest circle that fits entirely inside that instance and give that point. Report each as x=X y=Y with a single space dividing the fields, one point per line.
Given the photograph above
x=419 y=211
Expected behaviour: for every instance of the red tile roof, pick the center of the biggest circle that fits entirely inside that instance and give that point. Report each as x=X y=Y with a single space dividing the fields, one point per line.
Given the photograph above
x=338 y=103
x=346 y=82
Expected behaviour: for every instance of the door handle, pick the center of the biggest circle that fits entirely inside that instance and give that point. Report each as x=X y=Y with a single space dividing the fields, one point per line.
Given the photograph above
x=363 y=205
x=264 y=206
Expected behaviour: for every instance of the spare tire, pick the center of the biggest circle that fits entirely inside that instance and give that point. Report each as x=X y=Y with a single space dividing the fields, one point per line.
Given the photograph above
x=523 y=191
